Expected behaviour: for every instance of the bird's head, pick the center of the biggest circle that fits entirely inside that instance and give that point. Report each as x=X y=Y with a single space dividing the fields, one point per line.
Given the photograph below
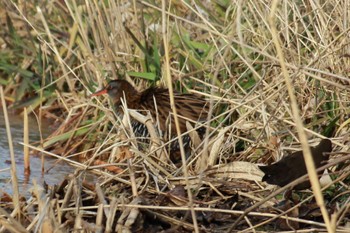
x=117 y=89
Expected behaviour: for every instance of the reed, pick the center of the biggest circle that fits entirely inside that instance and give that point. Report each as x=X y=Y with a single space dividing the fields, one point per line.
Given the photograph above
x=274 y=73
x=16 y=201
x=26 y=142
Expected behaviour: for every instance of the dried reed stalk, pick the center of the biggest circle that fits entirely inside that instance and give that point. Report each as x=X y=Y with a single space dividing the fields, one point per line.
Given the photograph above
x=12 y=156
x=26 y=142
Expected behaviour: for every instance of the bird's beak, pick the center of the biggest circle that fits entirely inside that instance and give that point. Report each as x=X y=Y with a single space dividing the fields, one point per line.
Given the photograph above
x=101 y=92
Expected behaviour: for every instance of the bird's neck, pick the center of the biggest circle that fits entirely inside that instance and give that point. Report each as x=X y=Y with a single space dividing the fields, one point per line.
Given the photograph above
x=132 y=100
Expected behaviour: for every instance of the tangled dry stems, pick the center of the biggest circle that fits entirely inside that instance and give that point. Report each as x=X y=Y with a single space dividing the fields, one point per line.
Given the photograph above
x=225 y=55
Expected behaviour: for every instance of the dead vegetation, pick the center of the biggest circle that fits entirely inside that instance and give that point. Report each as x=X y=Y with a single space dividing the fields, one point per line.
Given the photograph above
x=241 y=55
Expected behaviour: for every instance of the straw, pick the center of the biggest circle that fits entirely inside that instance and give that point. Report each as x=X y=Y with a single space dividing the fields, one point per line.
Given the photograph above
x=26 y=142
x=12 y=155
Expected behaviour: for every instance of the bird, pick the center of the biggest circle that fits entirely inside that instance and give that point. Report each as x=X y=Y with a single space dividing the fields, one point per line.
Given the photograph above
x=292 y=166
x=156 y=100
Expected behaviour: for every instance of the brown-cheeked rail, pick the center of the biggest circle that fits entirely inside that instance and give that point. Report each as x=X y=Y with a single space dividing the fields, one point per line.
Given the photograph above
x=156 y=100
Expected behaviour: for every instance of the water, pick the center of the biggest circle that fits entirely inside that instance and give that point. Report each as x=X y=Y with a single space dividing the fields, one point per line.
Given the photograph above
x=54 y=176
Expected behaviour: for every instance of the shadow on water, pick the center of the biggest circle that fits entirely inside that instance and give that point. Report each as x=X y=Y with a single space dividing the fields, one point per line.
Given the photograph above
x=56 y=173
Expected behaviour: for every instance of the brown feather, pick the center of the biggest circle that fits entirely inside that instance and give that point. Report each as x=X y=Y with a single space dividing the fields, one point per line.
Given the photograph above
x=189 y=107
x=293 y=166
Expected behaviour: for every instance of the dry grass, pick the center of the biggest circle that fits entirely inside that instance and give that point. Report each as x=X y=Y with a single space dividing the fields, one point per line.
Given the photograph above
x=241 y=55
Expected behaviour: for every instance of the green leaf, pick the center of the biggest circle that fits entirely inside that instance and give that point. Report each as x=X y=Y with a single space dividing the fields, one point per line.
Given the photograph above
x=65 y=136
x=200 y=49
x=156 y=57
x=145 y=75
x=191 y=58
x=331 y=127
x=16 y=39
x=33 y=102
x=3 y=81
x=8 y=68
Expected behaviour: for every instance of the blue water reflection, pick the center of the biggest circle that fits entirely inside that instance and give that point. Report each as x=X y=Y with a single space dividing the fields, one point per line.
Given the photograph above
x=56 y=173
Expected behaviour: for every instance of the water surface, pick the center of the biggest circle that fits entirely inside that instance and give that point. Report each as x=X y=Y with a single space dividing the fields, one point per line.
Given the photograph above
x=56 y=173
